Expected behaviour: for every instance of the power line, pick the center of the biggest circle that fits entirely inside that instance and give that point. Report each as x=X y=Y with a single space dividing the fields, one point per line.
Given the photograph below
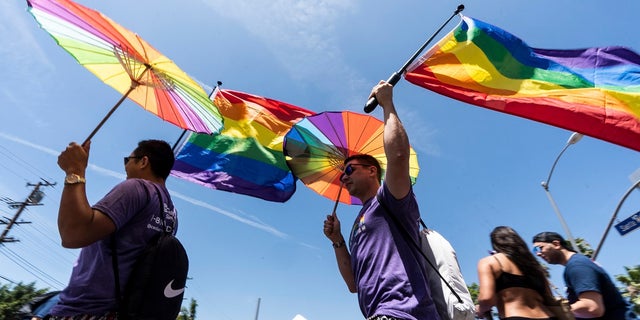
x=30 y=268
x=45 y=252
x=7 y=279
x=15 y=158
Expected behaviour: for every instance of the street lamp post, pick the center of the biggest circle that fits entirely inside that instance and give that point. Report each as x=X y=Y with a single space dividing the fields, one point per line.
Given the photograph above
x=613 y=218
x=575 y=137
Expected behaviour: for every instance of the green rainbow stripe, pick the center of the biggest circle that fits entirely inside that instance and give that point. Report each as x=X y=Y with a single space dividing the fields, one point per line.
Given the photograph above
x=246 y=157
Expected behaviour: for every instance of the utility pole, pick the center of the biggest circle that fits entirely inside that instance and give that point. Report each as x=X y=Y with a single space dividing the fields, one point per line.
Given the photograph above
x=258 y=309
x=32 y=200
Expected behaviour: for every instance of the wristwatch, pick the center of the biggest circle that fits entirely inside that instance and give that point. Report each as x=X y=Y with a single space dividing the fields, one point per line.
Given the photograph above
x=73 y=178
x=338 y=244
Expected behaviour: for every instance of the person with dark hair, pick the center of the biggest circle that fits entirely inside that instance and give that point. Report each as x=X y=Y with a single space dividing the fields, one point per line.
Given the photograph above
x=512 y=279
x=380 y=265
x=131 y=210
x=590 y=291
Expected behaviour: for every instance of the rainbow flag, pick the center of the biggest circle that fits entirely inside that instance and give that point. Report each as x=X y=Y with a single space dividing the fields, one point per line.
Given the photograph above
x=594 y=91
x=246 y=157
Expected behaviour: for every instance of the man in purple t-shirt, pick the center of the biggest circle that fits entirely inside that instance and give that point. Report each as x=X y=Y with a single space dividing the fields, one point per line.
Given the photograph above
x=131 y=210
x=380 y=265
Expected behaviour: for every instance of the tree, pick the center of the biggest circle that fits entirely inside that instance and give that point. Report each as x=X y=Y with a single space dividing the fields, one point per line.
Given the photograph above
x=188 y=314
x=474 y=290
x=12 y=298
x=631 y=291
x=584 y=247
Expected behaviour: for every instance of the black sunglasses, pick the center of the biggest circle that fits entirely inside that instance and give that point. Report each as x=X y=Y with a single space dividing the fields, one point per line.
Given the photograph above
x=126 y=159
x=348 y=170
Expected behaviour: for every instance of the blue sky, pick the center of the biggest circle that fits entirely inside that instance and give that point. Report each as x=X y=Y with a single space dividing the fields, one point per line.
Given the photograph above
x=479 y=168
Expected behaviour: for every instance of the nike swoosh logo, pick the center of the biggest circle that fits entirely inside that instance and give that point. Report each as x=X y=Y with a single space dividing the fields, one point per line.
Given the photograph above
x=169 y=292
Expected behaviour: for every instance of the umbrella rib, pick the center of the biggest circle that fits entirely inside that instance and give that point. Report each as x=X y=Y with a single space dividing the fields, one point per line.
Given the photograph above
x=337 y=159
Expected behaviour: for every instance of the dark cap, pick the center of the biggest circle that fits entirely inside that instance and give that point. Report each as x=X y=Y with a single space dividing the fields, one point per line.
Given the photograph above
x=549 y=237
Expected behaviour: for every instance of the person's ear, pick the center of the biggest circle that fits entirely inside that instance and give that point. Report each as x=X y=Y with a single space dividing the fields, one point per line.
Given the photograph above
x=144 y=162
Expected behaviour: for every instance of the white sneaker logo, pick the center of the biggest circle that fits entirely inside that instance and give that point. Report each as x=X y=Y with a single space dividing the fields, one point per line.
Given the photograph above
x=169 y=292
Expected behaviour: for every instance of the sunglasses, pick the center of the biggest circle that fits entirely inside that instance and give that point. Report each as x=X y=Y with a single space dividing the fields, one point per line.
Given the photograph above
x=349 y=169
x=126 y=159
x=537 y=249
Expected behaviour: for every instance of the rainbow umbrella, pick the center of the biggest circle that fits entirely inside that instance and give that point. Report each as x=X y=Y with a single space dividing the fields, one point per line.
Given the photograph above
x=128 y=64
x=317 y=145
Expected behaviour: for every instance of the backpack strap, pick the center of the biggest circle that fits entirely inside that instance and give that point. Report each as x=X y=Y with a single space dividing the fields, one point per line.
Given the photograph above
x=114 y=249
x=409 y=239
x=162 y=213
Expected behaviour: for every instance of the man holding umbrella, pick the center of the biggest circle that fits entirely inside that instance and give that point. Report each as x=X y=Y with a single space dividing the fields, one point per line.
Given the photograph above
x=131 y=209
x=380 y=265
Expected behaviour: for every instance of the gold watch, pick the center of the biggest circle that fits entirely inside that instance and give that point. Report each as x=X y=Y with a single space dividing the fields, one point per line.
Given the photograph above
x=73 y=178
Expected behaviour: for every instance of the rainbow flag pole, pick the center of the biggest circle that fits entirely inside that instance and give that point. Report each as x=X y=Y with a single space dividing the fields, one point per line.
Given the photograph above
x=594 y=91
x=395 y=77
x=180 y=138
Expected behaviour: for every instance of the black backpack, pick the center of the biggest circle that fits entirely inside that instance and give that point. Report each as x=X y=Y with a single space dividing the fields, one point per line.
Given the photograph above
x=156 y=285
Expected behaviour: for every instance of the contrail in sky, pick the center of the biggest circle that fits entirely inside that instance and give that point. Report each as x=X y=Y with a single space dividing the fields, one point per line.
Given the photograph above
x=118 y=175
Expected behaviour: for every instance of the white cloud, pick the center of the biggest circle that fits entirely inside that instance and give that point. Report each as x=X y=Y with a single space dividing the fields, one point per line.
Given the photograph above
x=300 y=34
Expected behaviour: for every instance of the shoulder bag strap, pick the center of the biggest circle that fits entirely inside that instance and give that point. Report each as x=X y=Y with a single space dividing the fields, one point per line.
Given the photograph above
x=409 y=239
x=114 y=251
x=162 y=213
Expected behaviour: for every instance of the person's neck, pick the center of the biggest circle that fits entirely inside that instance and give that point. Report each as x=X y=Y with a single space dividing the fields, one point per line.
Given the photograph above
x=153 y=179
x=369 y=194
x=567 y=255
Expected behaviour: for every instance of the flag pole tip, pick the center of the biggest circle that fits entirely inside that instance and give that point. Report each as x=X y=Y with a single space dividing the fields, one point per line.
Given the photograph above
x=460 y=8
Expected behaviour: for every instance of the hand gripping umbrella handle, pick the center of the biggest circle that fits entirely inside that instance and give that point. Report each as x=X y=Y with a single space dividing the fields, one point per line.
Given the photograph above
x=395 y=77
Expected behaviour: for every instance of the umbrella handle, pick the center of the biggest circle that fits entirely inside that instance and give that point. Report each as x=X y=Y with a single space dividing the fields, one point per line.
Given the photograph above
x=113 y=109
x=134 y=84
x=335 y=205
x=373 y=102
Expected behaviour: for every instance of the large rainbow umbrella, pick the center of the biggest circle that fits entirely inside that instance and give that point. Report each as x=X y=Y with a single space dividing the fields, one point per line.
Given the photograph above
x=317 y=145
x=128 y=64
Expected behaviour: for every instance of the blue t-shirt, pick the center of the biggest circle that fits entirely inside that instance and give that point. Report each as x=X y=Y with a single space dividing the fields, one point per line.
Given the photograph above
x=582 y=275
x=136 y=214
x=389 y=277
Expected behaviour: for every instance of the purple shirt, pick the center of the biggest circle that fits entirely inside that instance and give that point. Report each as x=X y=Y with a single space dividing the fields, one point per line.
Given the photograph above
x=389 y=276
x=136 y=214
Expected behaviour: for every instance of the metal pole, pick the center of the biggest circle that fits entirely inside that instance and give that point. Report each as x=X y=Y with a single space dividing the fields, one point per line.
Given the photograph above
x=257 y=309
x=562 y=222
x=574 y=138
x=372 y=103
x=613 y=218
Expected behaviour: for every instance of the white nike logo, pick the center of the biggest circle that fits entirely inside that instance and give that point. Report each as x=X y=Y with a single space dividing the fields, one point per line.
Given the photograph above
x=169 y=292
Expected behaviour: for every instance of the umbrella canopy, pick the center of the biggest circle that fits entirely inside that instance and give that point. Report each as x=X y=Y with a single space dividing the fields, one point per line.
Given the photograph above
x=127 y=63
x=316 y=147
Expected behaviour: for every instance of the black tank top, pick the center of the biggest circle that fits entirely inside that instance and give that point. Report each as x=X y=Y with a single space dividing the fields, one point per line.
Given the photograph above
x=509 y=280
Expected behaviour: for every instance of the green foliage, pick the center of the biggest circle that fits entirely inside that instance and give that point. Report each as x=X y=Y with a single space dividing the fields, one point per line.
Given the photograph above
x=584 y=247
x=188 y=314
x=474 y=290
x=631 y=291
x=12 y=298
